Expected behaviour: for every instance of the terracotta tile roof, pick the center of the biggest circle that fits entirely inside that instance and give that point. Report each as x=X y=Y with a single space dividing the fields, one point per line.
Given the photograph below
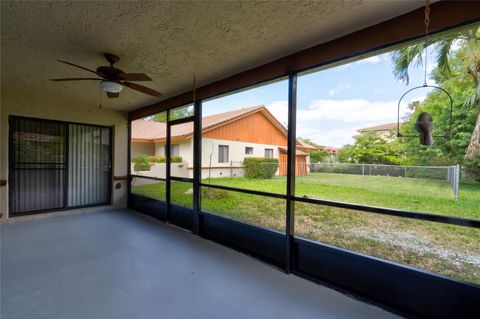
x=151 y=130
x=331 y=149
x=303 y=145
x=382 y=127
x=147 y=130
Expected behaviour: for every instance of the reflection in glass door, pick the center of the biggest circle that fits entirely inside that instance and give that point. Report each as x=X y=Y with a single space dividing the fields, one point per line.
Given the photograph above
x=88 y=165
x=37 y=165
x=57 y=165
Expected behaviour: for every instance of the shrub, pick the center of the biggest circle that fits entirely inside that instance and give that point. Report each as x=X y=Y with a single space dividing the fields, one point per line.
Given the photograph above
x=142 y=163
x=157 y=159
x=163 y=159
x=176 y=159
x=260 y=167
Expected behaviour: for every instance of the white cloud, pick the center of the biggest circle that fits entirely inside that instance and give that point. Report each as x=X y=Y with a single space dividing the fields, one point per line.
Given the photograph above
x=372 y=59
x=340 y=88
x=279 y=109
x=333 y=137
x=349 y=111
x=334 y=122
x=431 y=66
x=420 y=98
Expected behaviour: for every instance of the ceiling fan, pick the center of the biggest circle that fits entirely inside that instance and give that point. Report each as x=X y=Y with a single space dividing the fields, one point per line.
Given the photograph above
x=112 y=80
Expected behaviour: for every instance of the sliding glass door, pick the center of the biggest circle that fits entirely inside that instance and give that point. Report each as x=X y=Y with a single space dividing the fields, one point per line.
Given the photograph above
x=88 y=165
x=57 y=165
x=37 y=165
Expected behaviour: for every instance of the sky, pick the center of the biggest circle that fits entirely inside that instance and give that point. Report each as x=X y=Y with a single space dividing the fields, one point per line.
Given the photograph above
x=333 y=103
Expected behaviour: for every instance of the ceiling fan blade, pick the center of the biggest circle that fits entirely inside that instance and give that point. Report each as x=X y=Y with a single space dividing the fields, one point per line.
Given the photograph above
x=135 y=77
x=141 y=88
x=77 y=79
x=113 y=94
x=80 y=67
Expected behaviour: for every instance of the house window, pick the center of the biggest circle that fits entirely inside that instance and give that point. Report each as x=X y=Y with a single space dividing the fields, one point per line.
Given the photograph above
x=175 y=150
x=249 y=150
x=269 y=152
x=223 y=153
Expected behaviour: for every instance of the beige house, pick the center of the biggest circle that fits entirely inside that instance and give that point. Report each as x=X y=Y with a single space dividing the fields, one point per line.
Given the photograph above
x=384 y=130
x=227 y=138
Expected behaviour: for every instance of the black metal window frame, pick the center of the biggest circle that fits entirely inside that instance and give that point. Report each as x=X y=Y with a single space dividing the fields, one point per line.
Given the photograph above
x=291 y=243
x=65 y=206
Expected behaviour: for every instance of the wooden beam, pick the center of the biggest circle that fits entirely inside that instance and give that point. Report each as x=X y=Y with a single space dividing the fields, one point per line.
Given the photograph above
x=444 y=15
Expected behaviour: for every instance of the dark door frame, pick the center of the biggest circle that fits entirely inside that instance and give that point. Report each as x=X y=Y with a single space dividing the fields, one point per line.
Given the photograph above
x=168 y=159
x=11 y=119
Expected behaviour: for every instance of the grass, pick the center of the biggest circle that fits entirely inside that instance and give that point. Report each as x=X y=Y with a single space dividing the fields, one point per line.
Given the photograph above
x=446 y=249
x=418 y=195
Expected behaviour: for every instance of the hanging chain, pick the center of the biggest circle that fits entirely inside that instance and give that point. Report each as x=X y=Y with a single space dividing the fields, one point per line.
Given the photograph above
x=427 y=22
x=194 y=89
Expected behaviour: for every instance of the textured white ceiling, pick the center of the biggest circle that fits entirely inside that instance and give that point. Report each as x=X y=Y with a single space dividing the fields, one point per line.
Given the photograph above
x=167 y=40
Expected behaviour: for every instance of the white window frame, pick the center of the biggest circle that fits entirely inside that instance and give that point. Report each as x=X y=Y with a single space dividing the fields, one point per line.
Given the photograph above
x=223 y=157
x=247 y=149
x=267 y=150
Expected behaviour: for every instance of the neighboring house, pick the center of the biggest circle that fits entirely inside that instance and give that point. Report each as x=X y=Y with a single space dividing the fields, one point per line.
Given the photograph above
x=332 y=151
x=227 y=138
x=384 y=130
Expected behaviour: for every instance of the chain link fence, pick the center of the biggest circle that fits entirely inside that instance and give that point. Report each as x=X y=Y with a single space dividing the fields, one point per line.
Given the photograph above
x=437 y=174
x=446 y=177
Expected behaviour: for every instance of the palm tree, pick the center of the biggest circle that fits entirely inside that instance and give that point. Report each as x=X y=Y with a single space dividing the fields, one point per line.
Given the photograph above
x=412 y=55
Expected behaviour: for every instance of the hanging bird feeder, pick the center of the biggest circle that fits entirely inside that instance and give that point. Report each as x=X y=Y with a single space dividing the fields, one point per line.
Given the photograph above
x=424 y=123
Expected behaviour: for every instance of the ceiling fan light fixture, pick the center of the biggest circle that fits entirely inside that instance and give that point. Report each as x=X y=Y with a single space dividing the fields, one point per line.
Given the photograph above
x=112 y=87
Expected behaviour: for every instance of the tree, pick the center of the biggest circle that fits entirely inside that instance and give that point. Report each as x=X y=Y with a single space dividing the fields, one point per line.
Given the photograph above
x=175 y=114
x=316 y=156
x=372 y=148
x=449 y=150
x=470 y=42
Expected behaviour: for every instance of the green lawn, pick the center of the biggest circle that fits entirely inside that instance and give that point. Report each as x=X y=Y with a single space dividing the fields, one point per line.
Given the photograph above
x=450 y=250
x=392 y=192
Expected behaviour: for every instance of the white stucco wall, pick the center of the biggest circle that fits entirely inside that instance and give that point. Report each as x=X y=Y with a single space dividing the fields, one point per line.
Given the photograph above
x=159 y=170
x=236 y=154
x=50 y=109
x=236 y=151
x=186 y=150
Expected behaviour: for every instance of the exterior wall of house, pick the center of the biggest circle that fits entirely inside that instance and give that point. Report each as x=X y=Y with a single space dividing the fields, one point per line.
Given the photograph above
x=236 y=155
x=236 y=151
x=186 y=150
x=255 y=128
x=160 y=170
x=385 y=134
x=80 y=113
x=142 y=148
x=232 y=168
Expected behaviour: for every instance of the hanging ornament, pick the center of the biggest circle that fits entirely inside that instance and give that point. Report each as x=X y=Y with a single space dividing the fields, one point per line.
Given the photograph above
x=424 y=122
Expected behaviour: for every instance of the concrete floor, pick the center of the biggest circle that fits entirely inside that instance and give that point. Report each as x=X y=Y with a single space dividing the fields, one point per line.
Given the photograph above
x=118 y=264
